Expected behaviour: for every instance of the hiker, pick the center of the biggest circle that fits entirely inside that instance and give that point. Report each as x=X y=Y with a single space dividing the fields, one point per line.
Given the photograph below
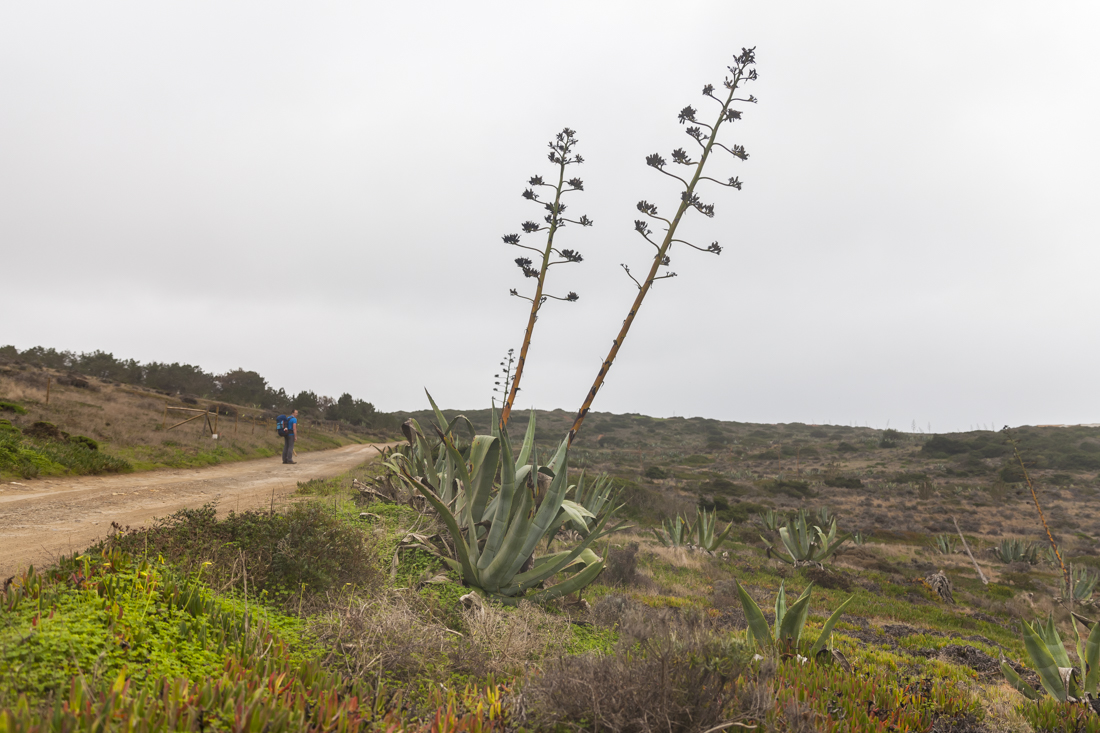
x=288 y=439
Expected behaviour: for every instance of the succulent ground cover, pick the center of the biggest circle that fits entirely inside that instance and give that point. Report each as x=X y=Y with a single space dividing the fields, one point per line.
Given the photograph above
x=149 y=628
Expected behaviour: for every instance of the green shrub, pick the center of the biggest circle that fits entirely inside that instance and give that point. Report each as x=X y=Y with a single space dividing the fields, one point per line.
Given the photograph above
x=843 y=482
x=697 y=460
x=795 y=489
x=18 y=409
x=655 y=473
x=84 y=441
x=306 y=544
x=940 y=446
x=845 y=447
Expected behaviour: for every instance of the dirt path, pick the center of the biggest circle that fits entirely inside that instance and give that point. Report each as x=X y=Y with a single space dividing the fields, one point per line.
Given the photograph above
x=41 y=519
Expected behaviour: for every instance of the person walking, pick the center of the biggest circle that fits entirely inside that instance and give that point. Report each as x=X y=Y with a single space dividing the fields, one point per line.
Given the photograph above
x=288 y=440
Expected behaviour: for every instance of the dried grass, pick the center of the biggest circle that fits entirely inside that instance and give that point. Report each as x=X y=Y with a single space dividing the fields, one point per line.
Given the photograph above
x=1000 y=702
x=398 y=634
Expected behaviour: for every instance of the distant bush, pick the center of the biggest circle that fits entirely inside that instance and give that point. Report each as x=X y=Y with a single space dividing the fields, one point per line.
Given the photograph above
x=940 y=446
x=843 y=482
x=845 y=447
x=890 y=438
x=796 y=489
x=655 y=473
x=696 y=460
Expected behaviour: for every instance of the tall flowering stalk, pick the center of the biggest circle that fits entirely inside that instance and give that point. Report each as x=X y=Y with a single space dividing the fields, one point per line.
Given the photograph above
x=562 y=155
x=705 y=136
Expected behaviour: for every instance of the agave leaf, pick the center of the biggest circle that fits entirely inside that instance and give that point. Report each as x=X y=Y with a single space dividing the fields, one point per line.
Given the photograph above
x=827 y=629
x=830 y=549
x=1014 y=680
x=1044 y=663
x=576 y=512
x=780 y=609
x=504 y=505
x=795 y=619
x=469 y=572
x=440 y=419
x=1092 y=660
x=540 y=524
x=528 y=442
x=573 y=584
x=542 y=571
x=484 y=459
x=758 y=625
x=1049 y=634
x=499 y=571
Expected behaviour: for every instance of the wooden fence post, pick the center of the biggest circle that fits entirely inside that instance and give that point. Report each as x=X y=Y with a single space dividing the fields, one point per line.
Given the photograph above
x=49 y=379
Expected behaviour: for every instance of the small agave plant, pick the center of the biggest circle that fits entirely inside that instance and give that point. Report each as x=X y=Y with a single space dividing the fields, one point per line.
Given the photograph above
x=806 y=543
x=676 y=533
x=1059 y=677
x=1081 y=586
x=1010 y=551
x=596 y=497
x=771 y=519
x=705 y=525
x=945 y=544
x=786 y=637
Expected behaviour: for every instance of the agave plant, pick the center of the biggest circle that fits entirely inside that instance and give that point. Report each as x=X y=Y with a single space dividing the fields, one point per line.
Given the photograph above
x=945 y=544
x=789 y=622
x=1049 y=658
x=825 y=516
x=807 y=543
x=771 y=519
x=495 y=529
x=705 y=528
x=677 y=532
x=1010 y=551
x=597 y=498
x=859 y=537
x=1081 y=586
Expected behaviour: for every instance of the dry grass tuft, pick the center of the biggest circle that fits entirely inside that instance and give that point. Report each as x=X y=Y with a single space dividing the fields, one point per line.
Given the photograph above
x=1000 y=702
x=397 y=634
x=670 y=672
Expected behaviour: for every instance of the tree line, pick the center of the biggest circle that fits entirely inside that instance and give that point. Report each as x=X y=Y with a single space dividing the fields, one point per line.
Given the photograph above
x=240 y=386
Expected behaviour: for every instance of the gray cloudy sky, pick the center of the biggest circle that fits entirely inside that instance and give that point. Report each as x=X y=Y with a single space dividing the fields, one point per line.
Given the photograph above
x=317 y=191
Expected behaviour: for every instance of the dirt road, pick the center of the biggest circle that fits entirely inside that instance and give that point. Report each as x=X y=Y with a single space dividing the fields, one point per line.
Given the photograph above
x=41 y=519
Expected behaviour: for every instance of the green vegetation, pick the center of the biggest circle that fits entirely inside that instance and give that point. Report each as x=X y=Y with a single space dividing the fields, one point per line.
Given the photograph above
x=42 y=450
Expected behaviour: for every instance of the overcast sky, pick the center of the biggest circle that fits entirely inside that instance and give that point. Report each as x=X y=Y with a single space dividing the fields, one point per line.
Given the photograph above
x=317 y=191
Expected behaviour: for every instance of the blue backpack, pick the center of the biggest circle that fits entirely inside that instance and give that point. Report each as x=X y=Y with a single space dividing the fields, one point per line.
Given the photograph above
x=282 y=426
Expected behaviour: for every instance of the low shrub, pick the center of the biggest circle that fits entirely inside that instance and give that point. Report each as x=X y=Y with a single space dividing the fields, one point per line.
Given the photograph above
x=843 y=482
x=655 y=473
x=15 y=407
x=621 y=567
x=940 y=446
x=293 y=554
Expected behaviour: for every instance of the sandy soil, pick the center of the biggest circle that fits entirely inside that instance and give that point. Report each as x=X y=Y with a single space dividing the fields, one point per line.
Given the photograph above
x=41 y=519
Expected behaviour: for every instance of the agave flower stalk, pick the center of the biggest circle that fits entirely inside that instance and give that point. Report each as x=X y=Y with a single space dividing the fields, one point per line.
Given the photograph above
x=562 y=155
x=706 y=136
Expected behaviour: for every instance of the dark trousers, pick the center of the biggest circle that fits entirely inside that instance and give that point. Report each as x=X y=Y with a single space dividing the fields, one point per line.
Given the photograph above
x=288 y=448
